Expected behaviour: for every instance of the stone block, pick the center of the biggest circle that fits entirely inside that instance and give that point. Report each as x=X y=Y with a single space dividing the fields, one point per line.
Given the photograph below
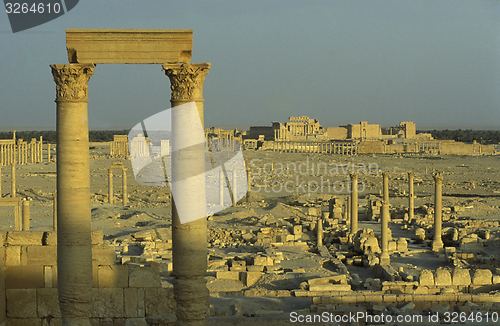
x=103 y=255
x=41 y=255
x=159 y=301
x=330 y=287
x=130 y=302
x=24 y=277
x=342 y=279
x=112 y=276
x=141 y=306
x=250 y=278
x=107 y=302
x=260 y=260
x=426 y=278
x=442 y=277
x=482 y=277
x=255 y=268
x=47 y=303
x=13 y=256
x=297 y=229
x=136 y=322
x=97 y=237
x=21 y=303
x=461 y=277
x=23 y=322
x=129 y=45
x=49 y=238
x=143 y=277
x=24 y=238
x=228 y=275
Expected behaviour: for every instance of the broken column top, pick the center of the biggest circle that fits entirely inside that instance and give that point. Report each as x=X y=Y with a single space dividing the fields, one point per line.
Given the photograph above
x=145 y=46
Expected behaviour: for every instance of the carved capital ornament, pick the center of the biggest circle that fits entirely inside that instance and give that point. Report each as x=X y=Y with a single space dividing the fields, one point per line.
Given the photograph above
x=187 y=80
x=71 y=81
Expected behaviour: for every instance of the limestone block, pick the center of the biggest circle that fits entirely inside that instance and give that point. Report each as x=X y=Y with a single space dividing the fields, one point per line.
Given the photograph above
x=21 y=303
x=13 y=256
x=136 y=322
x=402 y=245
x=238 y=268
x=130 y=302
x=330 y=287
x=297 y=229
x=97 y=237
x=228 y=275
x=260 y=260
x=482 y=277
x=143 y=277
x=392 y=246
x=337 y=279
x=129 y=46
x=103 y=255
x=24 y=277
x=250 y=278
x=24 y=238
x=107 y=302
x=495 y=279
x=49 y=238
x=426 y=278
x=41 y=255
x=255 y=268
x=442 y=277
x=23 y=322
x=112 y=276
x=159 y=301
x=47 y=303
x=314 y=211
x=141 y=306
x=461 y=277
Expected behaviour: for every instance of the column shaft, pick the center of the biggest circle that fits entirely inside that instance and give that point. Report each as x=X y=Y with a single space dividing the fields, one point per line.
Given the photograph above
x=411 y=196
x=384 y=225
x=124 y=186
x=354 y=203
x=26 y=215
x=74 y=246
x=13 y=180
x=437 y=244
x=110 y=186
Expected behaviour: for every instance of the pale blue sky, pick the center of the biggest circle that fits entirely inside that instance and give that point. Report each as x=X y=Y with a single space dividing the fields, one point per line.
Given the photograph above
x=433 y=62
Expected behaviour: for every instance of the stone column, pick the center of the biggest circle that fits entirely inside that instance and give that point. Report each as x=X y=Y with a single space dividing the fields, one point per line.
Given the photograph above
x=124 y=186
x=384 y=225
x=48 y=152
x=348 y=211
x=437 y=243
x=354 y=203
x=385 y=176
x=411 y=196
x=26 y=215
x=13 y=180
x=0 y=181
x=110 y=185
x=54 y=206
x=74 y=246
x=319 y=231
x=189 y=239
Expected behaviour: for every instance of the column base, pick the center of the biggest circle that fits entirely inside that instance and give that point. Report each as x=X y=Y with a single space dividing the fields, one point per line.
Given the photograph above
x=438 y=247
x=385 y=259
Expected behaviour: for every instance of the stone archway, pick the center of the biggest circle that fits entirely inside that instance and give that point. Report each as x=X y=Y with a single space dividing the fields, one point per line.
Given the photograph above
x=86 y=48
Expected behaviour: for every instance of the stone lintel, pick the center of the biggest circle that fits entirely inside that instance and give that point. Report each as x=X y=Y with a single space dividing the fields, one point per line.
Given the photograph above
x=141 y=46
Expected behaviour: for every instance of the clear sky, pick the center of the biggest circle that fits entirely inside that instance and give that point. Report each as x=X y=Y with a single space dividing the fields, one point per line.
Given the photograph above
x=434 y=62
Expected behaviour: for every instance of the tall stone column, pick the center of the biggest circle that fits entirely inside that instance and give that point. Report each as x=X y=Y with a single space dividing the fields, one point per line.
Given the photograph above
x=437 y=244
x=411 y=196
x=26 y=215
x=13 y=180
x=189 y=239
x=110 y=185
x=124 y=186
x=74 y=246
x=385 y=176
x=48 y=153
x=354 y=203
x=384 y=225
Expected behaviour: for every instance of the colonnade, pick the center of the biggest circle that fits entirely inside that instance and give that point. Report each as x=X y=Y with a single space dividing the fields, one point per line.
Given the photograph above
x=22 y=152
x=344 y=148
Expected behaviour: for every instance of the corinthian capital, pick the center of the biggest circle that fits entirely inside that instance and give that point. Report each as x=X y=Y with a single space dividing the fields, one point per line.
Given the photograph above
x=438 y=178
x=187 y=80
x=71 y=81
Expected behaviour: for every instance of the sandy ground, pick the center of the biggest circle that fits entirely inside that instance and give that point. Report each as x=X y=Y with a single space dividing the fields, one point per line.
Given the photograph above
x=471 y=183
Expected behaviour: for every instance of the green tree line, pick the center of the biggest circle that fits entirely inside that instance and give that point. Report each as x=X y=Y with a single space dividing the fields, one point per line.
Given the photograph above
x=467 y=135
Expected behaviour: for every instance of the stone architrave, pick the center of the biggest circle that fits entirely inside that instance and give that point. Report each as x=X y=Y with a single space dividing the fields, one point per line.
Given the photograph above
x=129 y=46
x=189 y=239
x=437 y=243
x=74 y=246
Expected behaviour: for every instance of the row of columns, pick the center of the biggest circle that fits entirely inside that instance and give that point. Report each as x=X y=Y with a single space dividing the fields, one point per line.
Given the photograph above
x=23 y=152
x=345 y=148
x=124 y=183
x=437 y=244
